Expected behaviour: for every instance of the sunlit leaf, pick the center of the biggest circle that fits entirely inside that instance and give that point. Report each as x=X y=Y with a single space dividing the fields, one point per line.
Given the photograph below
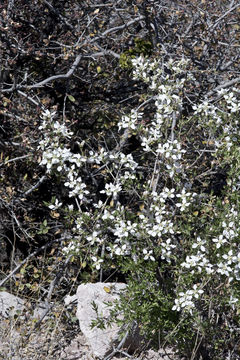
x=71 y=98
x=107 y=289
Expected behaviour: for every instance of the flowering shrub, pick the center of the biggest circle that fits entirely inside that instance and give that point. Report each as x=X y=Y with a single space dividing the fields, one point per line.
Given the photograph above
x=154 y=219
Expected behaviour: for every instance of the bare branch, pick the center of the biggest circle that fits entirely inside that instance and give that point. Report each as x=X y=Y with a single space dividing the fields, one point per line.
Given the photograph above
x=223 y=86
x=31 y=99
x=57 y=278
x=15 y=159
x=40 y=181
x=77 y=59
x=58 y=77
x=121 y=27
x=48 y=80
x=102 y=53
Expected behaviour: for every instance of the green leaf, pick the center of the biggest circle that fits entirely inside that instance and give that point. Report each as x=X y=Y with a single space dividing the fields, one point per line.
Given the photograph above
x=71 y=98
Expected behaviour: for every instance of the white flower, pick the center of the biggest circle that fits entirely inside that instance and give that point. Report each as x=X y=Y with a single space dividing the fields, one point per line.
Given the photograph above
x=198 y=261
x=79 y=222
x=228 y=257
x=61 y=129
x=94 y=238
x=185 y=199
x=56 y=205
x=130 y=121
x=166 y=250
x=127 y=161
x=78 y=188
x=112 y=189
x=224 y=269
x=99 y=205
x=107 y=215
x=229 y=233
x=123 y=229
x=233 y=301
x=46 y=114
x=204 y=108
x=97 y=262
x=185 y=300
x=191 y=261
x=236 y=259
x=199 y=244
x=161 y=227
x=148 y=254
x=166 y=193
x=121 y=249
x=171 y=149
x=220 y=240
x=70 y=248
x=222 y=91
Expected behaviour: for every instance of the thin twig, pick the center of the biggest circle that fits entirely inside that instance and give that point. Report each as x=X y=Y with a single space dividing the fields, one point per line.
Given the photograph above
x=174 y=120
x=120 y=345
x=34 y=187
x=31 y=99
x=15 y=159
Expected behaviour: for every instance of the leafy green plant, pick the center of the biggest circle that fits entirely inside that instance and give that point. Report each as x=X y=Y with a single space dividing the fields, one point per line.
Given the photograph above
x=176 y=243
x=44 y=228
x=141 y=47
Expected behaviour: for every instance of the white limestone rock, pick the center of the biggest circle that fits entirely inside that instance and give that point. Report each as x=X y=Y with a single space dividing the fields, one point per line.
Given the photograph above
x=101 y=342
x=10 y=305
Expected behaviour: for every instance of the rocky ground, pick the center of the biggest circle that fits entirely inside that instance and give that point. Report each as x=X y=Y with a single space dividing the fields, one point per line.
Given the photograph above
x=51 y=331
x=50 y=341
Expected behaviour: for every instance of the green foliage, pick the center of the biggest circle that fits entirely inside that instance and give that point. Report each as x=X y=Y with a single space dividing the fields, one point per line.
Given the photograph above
x=175 y=242
x=147 y=302
x=141 y=47
x=44 y=228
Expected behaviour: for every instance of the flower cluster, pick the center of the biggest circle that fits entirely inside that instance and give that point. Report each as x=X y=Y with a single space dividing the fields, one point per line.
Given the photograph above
x=185 y=199
x=163 y=226
x=185 y=300
x=112 y=189
x=130 y=121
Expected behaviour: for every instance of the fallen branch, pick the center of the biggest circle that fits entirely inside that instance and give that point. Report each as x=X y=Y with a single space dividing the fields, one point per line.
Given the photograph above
x=31 y=99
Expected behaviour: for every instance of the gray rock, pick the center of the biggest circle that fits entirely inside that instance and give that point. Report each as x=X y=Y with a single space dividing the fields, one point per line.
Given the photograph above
x=41 y=310
x=101 y=341
x=10 y=305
